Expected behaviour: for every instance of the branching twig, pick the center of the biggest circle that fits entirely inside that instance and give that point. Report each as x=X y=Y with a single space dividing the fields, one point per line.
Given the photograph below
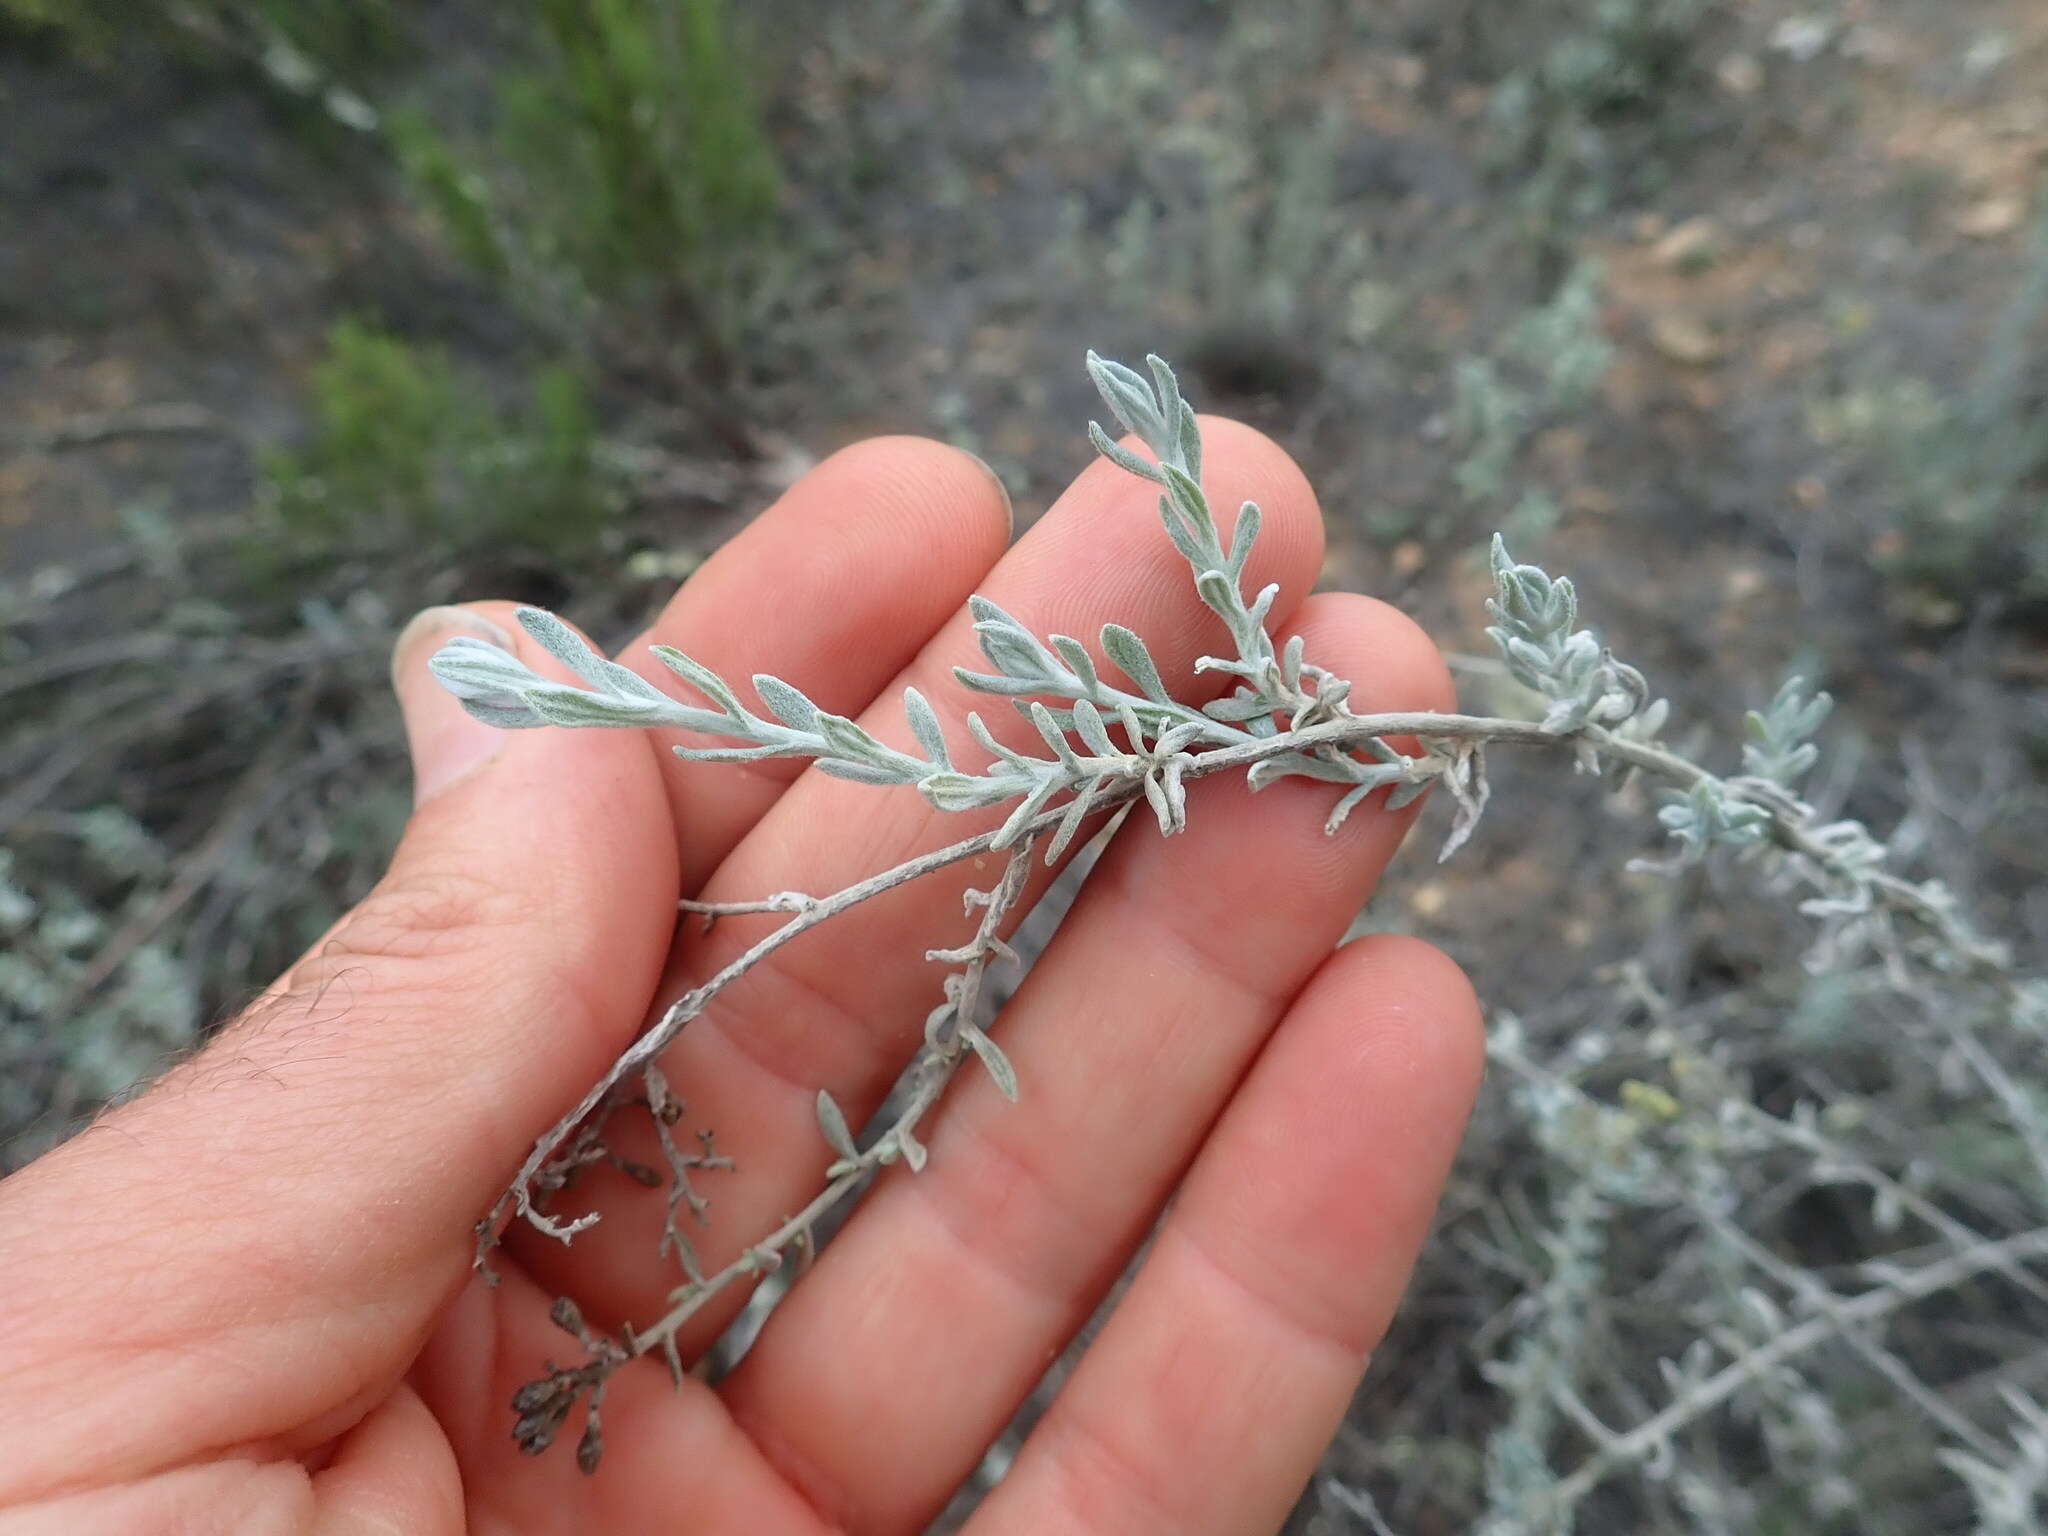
x=945 y=1047
x=1872 y=1306
x=1105 y=746
x=951 y=1032
x=808 y=912
x=167 y=420
x=784 y=901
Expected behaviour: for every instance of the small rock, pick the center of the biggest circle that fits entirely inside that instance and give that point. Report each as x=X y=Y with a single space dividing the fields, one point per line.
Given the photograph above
x=1988 y=53
x=1691 y=245
x=664 y=565
x=1874 y=45
x=1802 y=38
x=1740 y=75
x=1743 y=581
x=1926 y=609
x=1684 y=339
x=1989 y=219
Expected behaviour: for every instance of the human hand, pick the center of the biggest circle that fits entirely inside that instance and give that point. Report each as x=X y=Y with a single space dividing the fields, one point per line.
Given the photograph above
x=243 y=1300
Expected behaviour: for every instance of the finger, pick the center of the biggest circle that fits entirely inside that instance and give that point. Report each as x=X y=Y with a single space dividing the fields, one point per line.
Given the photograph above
x=285 y=1212
x=839 y=584
x=1128 y=1037
x=392 y=1472
x=1229 y=1363
x=842 y=1007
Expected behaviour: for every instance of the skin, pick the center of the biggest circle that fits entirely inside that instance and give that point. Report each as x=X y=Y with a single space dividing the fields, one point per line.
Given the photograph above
x=243 y=1301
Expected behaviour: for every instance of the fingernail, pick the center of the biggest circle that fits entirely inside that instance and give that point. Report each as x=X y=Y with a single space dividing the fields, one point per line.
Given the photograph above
x=446 y=742
x=1009 y=507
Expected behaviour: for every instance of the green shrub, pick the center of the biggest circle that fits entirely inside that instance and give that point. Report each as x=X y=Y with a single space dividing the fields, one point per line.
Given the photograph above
x=1974 y=515
x=291 y=40
x=402 y=446
x=1571 y=128
x=629 y=165
x=1547 y=368
x=66 y=1041
x=1958 y=478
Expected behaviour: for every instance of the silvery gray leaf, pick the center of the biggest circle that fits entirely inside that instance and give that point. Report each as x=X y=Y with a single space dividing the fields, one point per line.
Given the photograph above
x=1240 y=706
x=1070 y=823
x=1094 y=734
x=832 y=1122
x=473 y=668
x=1300 y=764
x=978 y=728
x=1054 y=737
x=562 y=643
x=1128 y=397
x=1235 y=666
x=515 y=715
x=559 y=704
x=1124 y=648
x=700 y=677
x=786 y=702
x=1172 y=782
x=1778 y=748
x=1162 y=806
x=1249 y=521
x=1028 y=807
x=1190 y=441
x=1167 y=390
x=993 y=1058
x=850 y=740
x=1218 y=591
x=1189 y=500
x=568 y=647
x=1005 y=687
x=1290 y=662
x=861 y=773
x=1134 y=727
x=1406 y=792
x=1122 y=457
x=1078 y=661
x=1471 y=794
x=965 y=792
x=1262 y=605
x=992 y=623
x=1063 y=718
x=924 y=725
x=734 y=754
x=911 y=1149
x=1185 y=537
x=1341 y=812
x=1012 y=653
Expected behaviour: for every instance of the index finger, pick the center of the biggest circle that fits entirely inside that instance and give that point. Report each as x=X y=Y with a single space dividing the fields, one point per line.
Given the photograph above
x=839 y=583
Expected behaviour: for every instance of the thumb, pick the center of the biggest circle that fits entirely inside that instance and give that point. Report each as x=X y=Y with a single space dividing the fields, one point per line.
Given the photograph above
x=446 y=743
x=301 y=1192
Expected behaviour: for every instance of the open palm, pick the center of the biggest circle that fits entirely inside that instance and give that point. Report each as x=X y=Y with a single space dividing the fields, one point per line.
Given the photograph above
x=243 y=1300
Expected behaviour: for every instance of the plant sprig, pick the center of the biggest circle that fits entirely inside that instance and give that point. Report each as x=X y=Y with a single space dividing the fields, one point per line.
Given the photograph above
x=1104 y=746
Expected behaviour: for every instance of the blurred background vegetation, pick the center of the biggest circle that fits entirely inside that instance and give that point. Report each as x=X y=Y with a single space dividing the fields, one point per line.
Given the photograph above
x=316 y=311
